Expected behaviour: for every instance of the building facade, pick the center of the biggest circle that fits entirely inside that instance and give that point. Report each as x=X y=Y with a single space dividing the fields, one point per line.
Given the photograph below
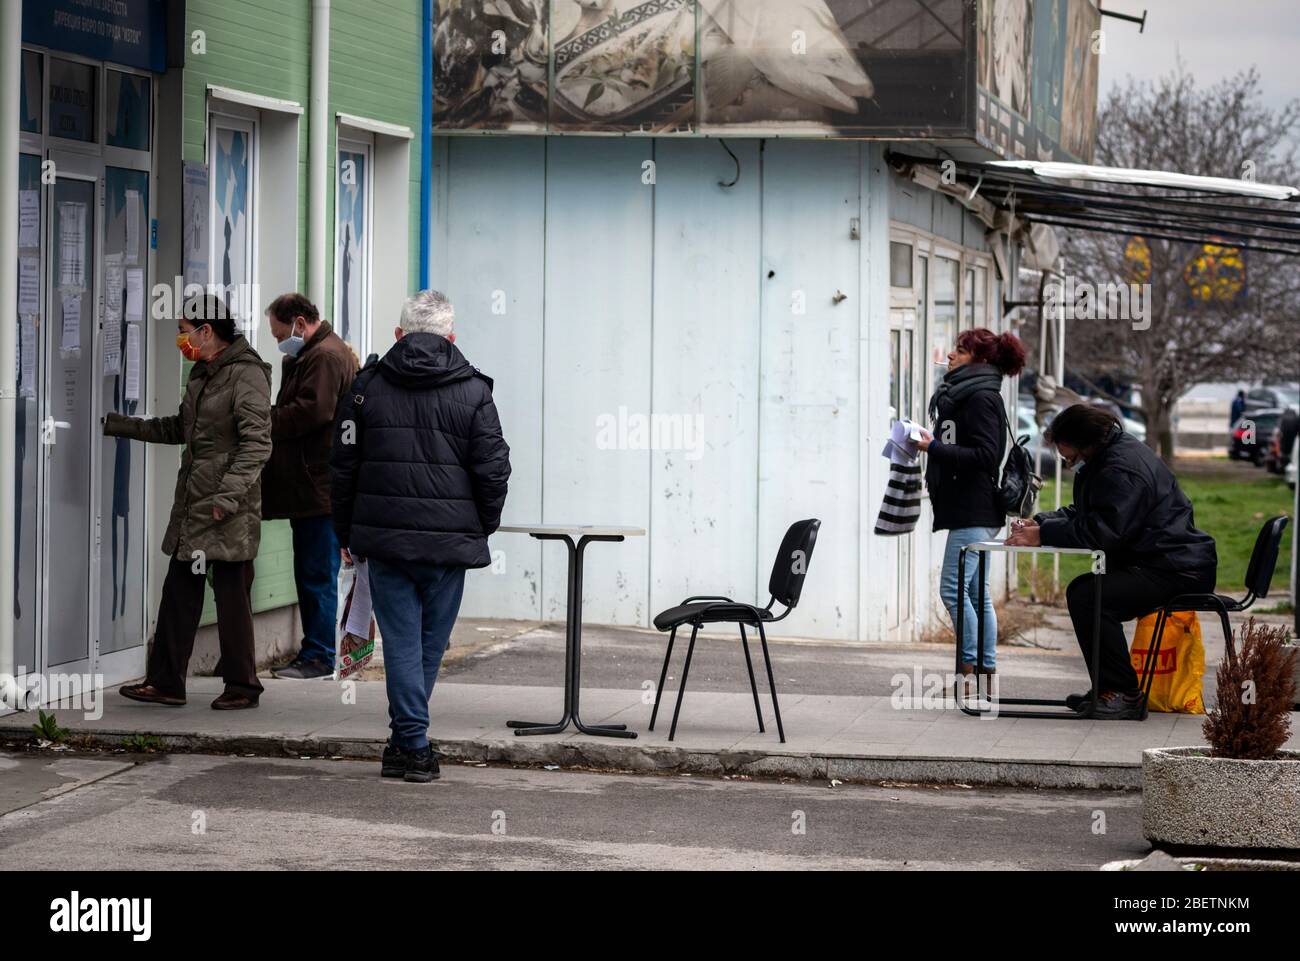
x=706 y=299
x=164 y=145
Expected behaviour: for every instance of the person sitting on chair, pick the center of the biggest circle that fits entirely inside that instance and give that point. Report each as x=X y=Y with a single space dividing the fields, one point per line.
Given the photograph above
x=1128 y=504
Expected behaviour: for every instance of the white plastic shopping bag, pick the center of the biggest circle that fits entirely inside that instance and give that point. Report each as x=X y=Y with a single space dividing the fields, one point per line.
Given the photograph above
x=356 y=641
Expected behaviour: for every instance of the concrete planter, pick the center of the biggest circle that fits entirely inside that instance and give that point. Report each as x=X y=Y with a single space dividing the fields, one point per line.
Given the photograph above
x=1190 y=798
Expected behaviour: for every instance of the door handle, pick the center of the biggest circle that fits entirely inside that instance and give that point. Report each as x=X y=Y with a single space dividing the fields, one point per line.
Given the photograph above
x=48 y=428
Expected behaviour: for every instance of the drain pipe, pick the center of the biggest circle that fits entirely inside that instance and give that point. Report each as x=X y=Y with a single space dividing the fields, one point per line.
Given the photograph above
x=318 y=152
x=11 y=54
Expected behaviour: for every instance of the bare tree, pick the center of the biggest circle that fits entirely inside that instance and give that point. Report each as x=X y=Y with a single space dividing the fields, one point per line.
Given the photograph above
x=1231 y=330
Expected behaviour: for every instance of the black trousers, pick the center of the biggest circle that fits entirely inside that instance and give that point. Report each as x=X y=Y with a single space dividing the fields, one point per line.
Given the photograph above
x=178 y=621
x=1126 y=594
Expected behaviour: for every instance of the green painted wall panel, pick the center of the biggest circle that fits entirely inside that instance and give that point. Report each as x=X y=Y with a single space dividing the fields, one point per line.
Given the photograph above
x=263 y=47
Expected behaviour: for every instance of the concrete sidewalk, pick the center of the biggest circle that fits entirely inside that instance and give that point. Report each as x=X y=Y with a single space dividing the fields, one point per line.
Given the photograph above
x=849 y=738
x=839 y=718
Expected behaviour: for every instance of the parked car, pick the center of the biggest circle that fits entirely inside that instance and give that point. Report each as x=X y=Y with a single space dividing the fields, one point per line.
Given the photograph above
x=1281 y=441
x=1275 y=396
x=1251 y=433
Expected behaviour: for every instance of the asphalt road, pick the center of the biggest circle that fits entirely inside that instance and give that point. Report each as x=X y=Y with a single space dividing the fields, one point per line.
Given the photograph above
x=212 y=813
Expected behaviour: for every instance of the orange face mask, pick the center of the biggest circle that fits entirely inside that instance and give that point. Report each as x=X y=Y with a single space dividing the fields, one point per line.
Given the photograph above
x=188 y=350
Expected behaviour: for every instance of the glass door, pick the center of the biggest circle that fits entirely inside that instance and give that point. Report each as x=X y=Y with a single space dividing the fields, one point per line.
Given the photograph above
x=120 y=378
x=69 y=425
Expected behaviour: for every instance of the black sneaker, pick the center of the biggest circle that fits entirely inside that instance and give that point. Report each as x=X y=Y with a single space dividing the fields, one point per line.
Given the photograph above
x=304 y=670
x=1075 y=702
x=421 y=765
x=1117 y=707
x=394 y=762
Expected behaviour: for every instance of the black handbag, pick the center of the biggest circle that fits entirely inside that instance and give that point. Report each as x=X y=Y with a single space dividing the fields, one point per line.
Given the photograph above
x=1017 y=492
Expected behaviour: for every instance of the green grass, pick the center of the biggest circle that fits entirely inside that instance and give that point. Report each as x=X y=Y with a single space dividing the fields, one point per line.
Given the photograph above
x=1230 y=502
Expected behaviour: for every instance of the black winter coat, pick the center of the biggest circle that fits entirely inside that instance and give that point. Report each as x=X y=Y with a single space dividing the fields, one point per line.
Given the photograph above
x=961 y=476
x=1128 y=504
x=422 y=476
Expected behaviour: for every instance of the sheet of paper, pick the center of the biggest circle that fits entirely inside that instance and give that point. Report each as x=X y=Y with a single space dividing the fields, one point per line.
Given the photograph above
x=29 y=218
x=359 y=612
x=27 y=357
x=72 y=244
x=132 y=362
x=112 y=343
x=71 y=340
x=135 y=295
x=29 y=285
x=114 y=281
x=132 y=226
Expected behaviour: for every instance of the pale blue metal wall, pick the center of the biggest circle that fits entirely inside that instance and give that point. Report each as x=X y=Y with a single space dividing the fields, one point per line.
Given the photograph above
x=677 y=299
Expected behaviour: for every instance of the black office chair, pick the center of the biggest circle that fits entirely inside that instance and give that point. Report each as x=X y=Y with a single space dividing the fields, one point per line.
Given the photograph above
x=1259 y=575
x=785 y=585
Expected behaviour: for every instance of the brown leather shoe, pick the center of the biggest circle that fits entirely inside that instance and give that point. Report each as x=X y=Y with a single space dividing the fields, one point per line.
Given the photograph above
x=149 y=695
x=233 y=702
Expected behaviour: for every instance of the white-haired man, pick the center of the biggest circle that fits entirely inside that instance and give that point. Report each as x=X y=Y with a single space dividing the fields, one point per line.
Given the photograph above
x=419 y=479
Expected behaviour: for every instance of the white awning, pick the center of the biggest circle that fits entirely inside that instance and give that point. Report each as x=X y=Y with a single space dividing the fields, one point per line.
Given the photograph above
x=1150 y=178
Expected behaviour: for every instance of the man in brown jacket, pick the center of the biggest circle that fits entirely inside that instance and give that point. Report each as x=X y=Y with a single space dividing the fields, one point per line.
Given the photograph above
x=318 y=367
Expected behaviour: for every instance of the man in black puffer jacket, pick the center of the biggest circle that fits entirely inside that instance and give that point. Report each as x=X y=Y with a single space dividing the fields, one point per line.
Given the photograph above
x=419 y=479
x=1128 y=504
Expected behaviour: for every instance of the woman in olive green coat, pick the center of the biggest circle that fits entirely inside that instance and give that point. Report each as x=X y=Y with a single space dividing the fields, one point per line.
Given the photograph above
x=224 y=423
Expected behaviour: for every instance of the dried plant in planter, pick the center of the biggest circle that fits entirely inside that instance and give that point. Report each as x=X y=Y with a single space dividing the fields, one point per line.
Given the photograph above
x=1252 y=719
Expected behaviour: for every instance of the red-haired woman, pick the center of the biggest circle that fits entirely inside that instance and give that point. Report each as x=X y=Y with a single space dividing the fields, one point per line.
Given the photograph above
x=965 y=454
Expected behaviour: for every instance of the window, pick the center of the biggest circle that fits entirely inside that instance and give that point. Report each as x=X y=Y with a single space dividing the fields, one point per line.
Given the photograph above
x=29 y=101
x=232 y=269
x=353 y=218
x=943 y=320
x=72 y=100
x=126 y=114
x=900 y=264
x=974 y=298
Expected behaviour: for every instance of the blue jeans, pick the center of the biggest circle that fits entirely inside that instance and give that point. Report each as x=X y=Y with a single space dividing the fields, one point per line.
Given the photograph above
x=957 y=539
x=316 y=576
x=416 y=606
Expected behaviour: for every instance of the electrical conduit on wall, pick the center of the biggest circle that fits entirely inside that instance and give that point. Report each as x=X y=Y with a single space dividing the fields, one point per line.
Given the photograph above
x=318 y=150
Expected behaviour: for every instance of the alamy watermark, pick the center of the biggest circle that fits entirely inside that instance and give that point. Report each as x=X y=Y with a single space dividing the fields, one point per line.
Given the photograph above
x=72 y=692
x=661 y=432
x=1072 y=299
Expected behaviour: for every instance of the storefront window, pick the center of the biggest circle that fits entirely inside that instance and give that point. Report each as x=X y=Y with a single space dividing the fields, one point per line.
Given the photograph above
x=72 y=100
x=126 y=114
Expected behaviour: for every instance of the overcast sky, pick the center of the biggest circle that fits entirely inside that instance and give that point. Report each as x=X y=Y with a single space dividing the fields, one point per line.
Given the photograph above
x=1215 y=38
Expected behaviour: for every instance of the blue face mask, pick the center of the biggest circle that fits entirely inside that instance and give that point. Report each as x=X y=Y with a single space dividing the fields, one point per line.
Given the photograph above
x=292 y=345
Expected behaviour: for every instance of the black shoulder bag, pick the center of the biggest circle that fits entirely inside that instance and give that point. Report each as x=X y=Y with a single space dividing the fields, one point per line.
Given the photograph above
x=1017 y=492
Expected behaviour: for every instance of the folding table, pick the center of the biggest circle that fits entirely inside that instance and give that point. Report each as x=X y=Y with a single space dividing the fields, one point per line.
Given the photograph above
x=576 y=537
x=983 y=549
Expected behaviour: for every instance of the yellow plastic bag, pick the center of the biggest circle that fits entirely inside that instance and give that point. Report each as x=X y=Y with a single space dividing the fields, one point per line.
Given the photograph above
x=1180 y=665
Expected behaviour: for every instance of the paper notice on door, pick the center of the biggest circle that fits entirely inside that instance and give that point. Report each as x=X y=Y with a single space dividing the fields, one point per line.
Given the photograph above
x=70 y=344
x=132 y=226
x=29 y=218
x=72 y=244
x=114 y=282
x=132 y=362
x=27 y=357
x=29 y=285
x=135 y=295
x=112 y=344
